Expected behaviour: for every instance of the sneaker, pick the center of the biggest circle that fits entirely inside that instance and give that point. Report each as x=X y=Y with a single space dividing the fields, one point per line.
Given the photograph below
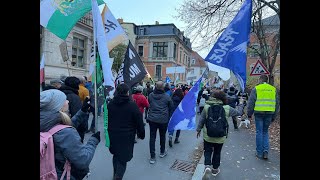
x=265 y=155
x=170 y=141
x=152 y=160
x=176 y=141
x=259 y=157
x=207 y=173
x=215 y=171
x=163 y=154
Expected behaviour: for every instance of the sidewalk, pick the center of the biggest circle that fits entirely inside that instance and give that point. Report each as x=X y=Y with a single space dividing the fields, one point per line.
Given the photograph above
x=238 y=160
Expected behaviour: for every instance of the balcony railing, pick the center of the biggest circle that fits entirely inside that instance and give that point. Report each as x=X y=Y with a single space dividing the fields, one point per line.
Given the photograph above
x=87 y=20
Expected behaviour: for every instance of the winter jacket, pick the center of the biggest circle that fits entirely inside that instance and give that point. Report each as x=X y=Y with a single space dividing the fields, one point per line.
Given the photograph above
x=73 y=98
x=251 y=103
x=124 y=122
x=161 y=107
x=74 y=106
x=141 y=101
x=232 y=100
x=229 y=112
x=67 y=144
x=176 y=101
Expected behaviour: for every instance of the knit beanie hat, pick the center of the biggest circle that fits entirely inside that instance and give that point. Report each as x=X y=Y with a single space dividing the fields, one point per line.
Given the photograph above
x=52 y=100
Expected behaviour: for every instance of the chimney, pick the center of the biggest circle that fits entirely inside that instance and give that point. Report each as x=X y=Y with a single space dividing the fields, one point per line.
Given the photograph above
x=157 y=22
x=120 y=20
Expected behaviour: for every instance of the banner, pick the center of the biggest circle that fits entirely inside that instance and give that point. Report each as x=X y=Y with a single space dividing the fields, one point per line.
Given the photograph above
x=184 y=117
x=230 y=50
x=59 y=17
x=132 y=69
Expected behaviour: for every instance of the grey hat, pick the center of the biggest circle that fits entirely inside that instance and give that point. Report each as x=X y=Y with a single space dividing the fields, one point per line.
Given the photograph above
x=52 y=100
x=139 y=88
x=56 y=81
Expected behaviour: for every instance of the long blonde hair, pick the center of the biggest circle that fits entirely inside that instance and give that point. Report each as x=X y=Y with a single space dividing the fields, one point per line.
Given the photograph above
x=65 y=119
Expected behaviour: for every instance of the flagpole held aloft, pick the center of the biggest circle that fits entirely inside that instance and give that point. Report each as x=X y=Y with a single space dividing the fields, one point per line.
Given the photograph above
x=95 y=73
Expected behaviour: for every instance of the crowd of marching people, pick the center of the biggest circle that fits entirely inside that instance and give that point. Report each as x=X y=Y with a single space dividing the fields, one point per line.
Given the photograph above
x=69 y=101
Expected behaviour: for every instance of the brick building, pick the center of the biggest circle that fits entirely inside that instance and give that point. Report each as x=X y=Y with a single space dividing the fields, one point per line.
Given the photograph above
x=160 y=46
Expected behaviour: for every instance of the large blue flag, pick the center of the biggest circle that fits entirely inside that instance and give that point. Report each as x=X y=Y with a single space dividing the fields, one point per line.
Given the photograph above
x=184 y=117
x=230 y=50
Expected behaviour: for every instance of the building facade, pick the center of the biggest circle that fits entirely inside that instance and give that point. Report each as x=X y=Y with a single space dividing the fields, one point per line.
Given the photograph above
x=79 y=43
x=196 y=69
x=161 y=46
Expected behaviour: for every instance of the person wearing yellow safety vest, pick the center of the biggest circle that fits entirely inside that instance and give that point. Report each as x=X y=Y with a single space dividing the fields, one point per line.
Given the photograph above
x=264 y=104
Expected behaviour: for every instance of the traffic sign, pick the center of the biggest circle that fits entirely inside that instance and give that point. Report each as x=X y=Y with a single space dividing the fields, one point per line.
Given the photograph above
x=259 y=69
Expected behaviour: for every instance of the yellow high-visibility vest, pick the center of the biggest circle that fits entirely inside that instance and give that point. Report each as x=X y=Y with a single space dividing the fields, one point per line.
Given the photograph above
x=266 y=98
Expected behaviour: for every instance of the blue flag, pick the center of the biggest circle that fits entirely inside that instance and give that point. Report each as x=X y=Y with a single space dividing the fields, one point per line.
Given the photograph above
x=168 y=80
x=184 y=117
x=230 y=50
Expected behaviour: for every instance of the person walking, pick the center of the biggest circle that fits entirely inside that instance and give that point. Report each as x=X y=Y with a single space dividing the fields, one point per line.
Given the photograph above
x=213 y=145
x=160 y=110
x=264 y=103
x=67 y=142
x=124 y=123
x=176 y=99
x=233 y=101
x=140 y=99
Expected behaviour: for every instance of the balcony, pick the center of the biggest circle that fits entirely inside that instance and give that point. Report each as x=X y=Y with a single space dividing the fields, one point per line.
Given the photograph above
x=87 y=20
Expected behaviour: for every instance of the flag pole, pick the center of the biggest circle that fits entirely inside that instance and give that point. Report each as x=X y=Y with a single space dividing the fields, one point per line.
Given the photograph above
x=95 y=72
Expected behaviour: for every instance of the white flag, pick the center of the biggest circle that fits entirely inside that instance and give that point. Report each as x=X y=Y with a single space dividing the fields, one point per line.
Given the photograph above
x=114 y=32
x=102 y=45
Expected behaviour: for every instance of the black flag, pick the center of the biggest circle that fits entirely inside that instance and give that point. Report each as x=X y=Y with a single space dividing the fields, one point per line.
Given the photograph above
x=132 y=69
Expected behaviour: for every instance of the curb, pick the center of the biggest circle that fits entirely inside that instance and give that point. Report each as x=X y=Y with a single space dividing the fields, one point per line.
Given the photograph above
x=198 y=173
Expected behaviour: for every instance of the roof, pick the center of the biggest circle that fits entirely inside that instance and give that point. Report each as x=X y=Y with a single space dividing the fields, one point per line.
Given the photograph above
x=271 y=21
x=199 y=60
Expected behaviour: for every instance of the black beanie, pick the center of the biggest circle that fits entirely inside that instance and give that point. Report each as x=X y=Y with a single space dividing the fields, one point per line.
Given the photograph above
x=72 y=82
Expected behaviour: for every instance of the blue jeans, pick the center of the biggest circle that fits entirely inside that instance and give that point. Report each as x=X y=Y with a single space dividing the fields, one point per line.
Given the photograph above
x=263 y=122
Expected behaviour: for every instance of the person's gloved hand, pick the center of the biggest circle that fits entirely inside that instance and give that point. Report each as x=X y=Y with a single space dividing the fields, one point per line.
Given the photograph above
x=86 y=105
x=97 y=135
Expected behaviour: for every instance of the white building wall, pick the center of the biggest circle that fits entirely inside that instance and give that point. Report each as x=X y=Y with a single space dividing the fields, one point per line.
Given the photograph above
x=54 y=65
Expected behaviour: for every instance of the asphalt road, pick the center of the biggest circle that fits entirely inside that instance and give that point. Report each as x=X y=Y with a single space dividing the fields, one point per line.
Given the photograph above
x=139 y=167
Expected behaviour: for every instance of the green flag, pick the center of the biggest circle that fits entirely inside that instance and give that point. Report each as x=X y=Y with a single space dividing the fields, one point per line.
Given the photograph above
x=59 y=17
x=101 y=95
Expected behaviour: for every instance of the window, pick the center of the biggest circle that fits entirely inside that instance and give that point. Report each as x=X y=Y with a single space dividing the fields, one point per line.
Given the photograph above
x=158 y=71
x=140 y=51
x=160 y=49
x=192 y=71
x=193 y=61
x=201 y=71
x=174 y=50
x=78 y=50
x=141 y=31
x=180 y=56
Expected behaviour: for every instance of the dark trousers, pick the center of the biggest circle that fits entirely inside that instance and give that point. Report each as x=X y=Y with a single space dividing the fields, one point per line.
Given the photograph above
x=119 y=167
x=177 y=133
x=234 y=120
x=153 y=134
x=208 y=149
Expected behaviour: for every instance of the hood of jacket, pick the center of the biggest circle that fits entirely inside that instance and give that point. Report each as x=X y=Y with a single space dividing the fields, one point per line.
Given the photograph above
x=48 y=120
x=212 y=100
x=121 y=99
x=158 y=94
x=68 y=90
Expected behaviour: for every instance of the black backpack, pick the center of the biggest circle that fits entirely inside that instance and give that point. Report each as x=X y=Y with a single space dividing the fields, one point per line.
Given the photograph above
x=216 y=122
